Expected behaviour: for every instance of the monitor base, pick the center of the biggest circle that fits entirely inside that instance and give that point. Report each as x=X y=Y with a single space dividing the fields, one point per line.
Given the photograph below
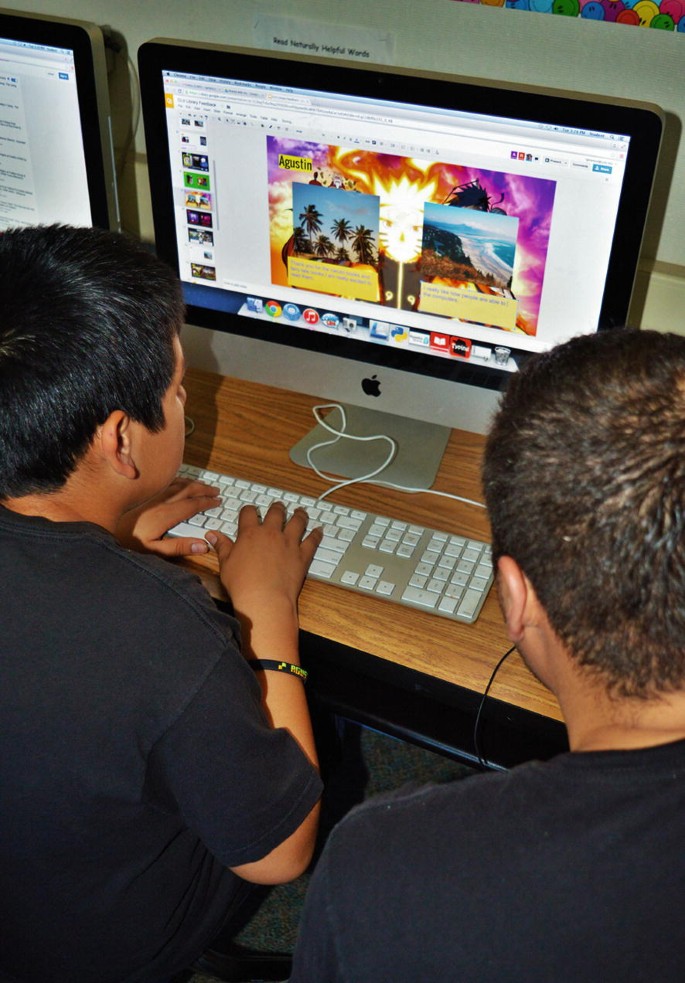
x=420 y=447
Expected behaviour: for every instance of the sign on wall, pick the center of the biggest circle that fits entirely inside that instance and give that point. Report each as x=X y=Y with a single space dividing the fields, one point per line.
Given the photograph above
x=666 y=15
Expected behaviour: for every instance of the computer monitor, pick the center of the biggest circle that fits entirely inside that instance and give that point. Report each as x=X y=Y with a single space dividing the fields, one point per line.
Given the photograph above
x=392 y=240
x=56 y=159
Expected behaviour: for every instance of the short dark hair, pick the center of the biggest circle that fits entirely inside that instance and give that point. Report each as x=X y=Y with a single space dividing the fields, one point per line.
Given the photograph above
x=584 y=478
x=87 y=322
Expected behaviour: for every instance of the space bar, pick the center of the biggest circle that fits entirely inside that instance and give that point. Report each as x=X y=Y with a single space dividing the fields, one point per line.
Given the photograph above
x=186 y=529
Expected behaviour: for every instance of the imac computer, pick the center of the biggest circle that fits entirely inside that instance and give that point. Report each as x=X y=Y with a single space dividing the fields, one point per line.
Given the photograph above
x=56 y=158
x=396 y=241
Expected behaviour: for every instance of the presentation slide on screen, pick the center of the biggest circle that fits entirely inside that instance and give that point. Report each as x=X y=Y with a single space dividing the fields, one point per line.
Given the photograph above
x=437 y=238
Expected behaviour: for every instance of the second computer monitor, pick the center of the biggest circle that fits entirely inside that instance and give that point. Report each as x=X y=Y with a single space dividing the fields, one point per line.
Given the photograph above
x=56 y=159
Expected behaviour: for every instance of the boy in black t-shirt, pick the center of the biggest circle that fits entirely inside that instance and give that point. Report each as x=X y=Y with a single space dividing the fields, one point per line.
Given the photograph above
x=572 y=869
x=146 y=771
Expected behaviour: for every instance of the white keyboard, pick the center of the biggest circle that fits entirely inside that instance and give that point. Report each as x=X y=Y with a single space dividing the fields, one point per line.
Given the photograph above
x=402 y=562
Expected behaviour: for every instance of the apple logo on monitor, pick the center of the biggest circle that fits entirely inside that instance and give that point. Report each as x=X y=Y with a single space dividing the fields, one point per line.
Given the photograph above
x=371 y=386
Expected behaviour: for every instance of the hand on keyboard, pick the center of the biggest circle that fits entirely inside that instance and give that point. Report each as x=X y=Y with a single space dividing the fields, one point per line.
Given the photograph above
x=269 y=558
x=144 y=528
x=403 y=562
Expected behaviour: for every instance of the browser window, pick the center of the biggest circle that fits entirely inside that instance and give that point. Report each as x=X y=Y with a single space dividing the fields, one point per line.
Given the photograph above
x=427 y=228
x=42 y=164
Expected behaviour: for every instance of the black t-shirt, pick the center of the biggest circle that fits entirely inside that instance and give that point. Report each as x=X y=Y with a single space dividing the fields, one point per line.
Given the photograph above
x=571 y=871
x=136 y=763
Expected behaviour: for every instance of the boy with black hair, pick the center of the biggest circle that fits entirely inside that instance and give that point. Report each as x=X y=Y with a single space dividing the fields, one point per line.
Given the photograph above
x=146 y=771
x=572 y=869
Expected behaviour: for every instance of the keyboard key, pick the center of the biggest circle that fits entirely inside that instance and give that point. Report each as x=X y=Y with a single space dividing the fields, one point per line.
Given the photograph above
x=321 y=569
x=328 y=556
x=348 y=522
x=185 y=529
x=385 y=588
x=421 y=597
x=470 y=602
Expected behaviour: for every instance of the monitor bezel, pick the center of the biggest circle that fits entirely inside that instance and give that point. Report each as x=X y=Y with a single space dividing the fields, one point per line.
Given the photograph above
x=642 y=121
x=87 y=43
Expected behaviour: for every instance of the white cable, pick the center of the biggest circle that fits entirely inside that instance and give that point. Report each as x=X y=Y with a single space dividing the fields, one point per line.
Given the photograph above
x=316 y=410
x=338 y=434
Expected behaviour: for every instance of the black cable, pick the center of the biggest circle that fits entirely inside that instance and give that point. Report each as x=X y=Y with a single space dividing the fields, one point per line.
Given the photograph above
x=483 y=762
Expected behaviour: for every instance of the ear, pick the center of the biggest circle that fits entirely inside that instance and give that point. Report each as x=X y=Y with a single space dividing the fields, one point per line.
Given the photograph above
x=113 y=442
x=515 y=596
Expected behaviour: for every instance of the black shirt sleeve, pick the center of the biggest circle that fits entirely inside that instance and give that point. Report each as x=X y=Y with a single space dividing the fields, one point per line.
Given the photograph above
x=242 y=786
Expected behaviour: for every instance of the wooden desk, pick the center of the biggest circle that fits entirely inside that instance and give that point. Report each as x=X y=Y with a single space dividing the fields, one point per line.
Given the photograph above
x=247 y=430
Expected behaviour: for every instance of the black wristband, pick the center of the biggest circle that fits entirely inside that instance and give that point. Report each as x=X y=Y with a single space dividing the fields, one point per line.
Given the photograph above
x=259 y=664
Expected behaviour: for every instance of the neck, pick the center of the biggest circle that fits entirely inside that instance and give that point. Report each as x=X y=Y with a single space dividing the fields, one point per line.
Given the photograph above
x=596 y=719
x=599 y=721
x=81 y=499
x=54 y=507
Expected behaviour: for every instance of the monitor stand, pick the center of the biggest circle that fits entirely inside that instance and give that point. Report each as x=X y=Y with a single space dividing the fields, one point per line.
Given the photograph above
x=420 y=447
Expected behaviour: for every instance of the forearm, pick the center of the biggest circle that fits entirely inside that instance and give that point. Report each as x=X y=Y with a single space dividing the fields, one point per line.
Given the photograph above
x=274 y=636
x=263 y=573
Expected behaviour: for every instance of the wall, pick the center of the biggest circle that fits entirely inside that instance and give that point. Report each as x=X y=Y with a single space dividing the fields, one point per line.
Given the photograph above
x=467 y=39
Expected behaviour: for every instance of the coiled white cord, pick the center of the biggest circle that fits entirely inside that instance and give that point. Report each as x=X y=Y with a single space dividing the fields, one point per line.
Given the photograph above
x=342 y=434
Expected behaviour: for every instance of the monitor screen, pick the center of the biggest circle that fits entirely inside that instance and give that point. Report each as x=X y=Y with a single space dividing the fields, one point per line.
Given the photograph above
x=415 y=237
x=55 y=148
